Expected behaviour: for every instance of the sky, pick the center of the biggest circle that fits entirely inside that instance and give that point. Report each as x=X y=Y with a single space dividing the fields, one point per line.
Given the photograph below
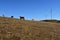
x=31 y=9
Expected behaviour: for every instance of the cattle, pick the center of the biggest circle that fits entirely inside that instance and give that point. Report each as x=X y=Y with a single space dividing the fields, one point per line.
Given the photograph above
x=22 y=18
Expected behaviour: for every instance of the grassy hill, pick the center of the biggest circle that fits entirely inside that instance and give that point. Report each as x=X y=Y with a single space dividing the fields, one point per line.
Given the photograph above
x=16 y=29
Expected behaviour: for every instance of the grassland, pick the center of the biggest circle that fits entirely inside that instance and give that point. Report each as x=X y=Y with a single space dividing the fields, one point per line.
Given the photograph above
x=16 y=29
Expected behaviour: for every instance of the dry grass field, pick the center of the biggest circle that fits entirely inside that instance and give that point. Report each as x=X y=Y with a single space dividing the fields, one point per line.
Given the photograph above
x=16 y=29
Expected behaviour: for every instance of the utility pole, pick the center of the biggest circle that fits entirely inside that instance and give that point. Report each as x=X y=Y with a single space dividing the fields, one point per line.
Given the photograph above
x=51 y=13
x=3 y=15
x=3 y=12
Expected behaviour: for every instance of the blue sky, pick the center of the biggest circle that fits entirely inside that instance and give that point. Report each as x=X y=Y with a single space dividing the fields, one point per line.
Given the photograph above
x=37 y=9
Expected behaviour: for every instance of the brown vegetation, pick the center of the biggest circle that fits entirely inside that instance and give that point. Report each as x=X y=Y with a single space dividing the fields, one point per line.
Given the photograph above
x=16 y=29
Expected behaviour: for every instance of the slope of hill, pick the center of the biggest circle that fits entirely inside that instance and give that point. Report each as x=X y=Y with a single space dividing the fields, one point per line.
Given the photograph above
x=16 y=29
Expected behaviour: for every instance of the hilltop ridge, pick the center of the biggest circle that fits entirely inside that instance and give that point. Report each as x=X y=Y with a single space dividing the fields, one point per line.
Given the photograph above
x=16 y=29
